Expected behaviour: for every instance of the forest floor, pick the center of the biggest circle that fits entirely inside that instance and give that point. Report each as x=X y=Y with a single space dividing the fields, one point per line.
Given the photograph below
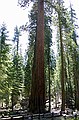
x=69 y=114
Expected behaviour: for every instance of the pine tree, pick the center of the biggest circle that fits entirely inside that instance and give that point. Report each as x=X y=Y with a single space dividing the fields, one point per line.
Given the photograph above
x=4 y=64
x=16 y=70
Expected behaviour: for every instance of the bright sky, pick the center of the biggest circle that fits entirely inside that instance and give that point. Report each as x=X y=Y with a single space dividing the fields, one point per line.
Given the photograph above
x=75 y=6
x=13 y=15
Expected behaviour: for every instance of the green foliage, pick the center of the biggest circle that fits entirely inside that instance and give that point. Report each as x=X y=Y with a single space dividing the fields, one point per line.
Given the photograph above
x=49 y=54
x=15 y=75
x=27 y=79
x=16 y=72
x=4 y=64
x=69 y=54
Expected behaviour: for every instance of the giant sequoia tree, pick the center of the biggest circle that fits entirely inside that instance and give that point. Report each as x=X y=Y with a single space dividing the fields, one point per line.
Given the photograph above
x=63 y=24
x=37 y=98
x=47 y=46
x=37 y=103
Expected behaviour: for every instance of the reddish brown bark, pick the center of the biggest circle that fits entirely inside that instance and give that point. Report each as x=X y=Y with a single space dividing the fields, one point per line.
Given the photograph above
x=38 y=84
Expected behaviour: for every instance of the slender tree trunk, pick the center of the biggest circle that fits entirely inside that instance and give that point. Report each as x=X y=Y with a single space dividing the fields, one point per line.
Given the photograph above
x=69 y=89
x=49 y=77
x=49 y=91
x=12 y=99
x=62 y=76
x=62 y=62
x=37 y=100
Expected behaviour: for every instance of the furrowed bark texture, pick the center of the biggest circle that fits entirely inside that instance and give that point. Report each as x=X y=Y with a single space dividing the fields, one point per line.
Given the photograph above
x=37 y=102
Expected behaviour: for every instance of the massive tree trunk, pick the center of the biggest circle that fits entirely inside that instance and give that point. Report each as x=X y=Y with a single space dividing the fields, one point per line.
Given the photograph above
x=37 y=99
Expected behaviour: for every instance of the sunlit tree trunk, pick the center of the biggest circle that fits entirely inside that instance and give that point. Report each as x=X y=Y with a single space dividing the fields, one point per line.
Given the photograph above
x=62 y=62
x=49 y=77
x=37 y=100
x=62 y=74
